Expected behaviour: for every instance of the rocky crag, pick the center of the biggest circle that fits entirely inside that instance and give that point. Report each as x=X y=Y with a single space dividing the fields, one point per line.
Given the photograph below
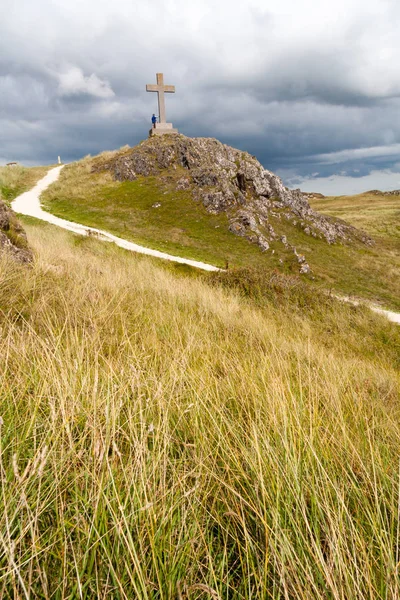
x=228 y=180
x=12 y=236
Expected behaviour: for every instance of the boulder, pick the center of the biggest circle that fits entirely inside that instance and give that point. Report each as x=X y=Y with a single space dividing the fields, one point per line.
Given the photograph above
x=12 y=236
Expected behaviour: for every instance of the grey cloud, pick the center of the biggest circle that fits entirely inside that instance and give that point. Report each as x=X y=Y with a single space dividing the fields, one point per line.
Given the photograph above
x=295 y=85
x=348 y=184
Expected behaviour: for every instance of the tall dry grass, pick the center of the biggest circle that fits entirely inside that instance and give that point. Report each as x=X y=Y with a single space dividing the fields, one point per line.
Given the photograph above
x=162 y=438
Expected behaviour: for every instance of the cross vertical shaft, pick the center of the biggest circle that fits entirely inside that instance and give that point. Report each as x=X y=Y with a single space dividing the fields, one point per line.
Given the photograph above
x=160 y=88
x=161 y=97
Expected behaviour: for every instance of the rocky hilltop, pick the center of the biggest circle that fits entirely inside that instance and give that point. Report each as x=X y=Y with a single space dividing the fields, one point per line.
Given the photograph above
x=12 y=236
x=228 y=180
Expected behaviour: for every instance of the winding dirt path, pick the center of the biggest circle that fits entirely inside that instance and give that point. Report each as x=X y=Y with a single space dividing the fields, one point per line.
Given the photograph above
x=29 y=204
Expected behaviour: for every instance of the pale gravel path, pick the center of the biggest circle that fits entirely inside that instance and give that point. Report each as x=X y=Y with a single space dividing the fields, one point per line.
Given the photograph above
x=389 y=314
x=29 y=204
x=392 y=316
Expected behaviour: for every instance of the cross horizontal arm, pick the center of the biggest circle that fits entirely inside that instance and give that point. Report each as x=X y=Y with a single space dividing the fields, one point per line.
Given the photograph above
x=161 y=89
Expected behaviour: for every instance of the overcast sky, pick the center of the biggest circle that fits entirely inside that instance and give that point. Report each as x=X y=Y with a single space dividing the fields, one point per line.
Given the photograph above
x=311 y=88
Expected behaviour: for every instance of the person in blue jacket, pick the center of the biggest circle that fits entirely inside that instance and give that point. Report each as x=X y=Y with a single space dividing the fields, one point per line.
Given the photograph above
x=154 y=121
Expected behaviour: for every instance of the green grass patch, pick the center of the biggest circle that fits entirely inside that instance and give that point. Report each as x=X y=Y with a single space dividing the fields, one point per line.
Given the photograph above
x=16 y=180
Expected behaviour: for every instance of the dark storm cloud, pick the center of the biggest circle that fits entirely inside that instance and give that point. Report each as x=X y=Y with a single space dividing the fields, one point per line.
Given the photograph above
x=289 y=83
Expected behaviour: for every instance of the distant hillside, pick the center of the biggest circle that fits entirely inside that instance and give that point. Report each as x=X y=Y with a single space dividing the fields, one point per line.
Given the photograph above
x=376 y=212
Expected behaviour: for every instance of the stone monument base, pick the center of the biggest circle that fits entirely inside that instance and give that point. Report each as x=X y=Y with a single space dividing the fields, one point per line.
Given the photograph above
x=161 y=129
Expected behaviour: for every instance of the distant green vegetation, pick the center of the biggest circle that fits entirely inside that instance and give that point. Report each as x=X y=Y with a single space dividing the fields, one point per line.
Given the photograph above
x=168 y=437
x=379 y=215
x=16 y=180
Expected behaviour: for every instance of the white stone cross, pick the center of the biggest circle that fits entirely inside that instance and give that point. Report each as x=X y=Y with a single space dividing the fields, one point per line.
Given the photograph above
x=160 y=88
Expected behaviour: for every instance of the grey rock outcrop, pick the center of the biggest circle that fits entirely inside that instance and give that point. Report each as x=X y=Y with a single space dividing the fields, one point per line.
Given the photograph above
x=12 y=236
x=379 y=193
x=228 y=180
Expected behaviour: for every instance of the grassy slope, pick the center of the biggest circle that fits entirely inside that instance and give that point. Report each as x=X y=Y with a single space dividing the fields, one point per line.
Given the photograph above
x=380 y=217
x=371 y=273
x=16 y=180
x=179 y=226
x=182 y=227
x=163 y=438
